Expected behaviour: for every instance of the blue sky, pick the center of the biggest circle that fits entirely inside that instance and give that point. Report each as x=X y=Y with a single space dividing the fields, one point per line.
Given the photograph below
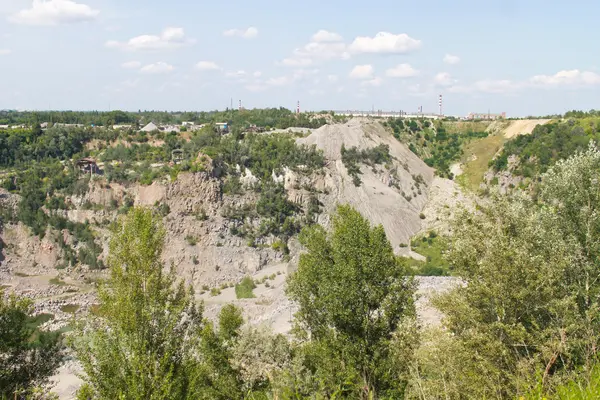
x=526 y=57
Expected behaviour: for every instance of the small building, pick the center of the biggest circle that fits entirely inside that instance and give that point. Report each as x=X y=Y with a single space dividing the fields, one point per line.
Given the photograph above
x=170 y=128
x=88 y=165
x=61 y=125
x=222 y=127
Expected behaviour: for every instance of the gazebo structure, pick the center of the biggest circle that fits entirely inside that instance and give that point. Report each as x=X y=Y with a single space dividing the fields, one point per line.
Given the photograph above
x=177 y=156
x=87 y=164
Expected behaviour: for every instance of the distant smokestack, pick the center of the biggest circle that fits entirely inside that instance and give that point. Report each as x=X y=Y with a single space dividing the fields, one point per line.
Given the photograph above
x=441 y=106
x=298 y=108
x=240 y=106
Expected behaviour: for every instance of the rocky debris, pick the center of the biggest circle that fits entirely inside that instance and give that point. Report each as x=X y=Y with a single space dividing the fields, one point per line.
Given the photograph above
x=429 y=286
x=446 y=197
x=505 y=180
x=193 y=190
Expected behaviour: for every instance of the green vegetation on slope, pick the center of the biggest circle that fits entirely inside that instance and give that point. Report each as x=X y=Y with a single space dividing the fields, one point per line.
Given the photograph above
x=529 y=312
x=546 y=145
x=352 y=157
x=433 y=142
x=40 y=169
x=28 y=356
x=432 y=247
x=476 y=158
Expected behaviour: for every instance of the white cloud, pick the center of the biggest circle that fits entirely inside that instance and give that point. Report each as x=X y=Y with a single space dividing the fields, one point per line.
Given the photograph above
x=419 y=90
x=450 y=59
x=255 y=87
x=373 y=82
x=279 y=81
x=326 y=36
x=567 y=77
x=302 y=73
x=362 y=72
x=131 y=65
x=257 y=74
x=207 y=66
x=493 y=86
x=157 y=68
x=384 y=43
x=402 y=71
x=322 y=50
x=236 y=74
x=5 y=52
x=169 y=38
x=296 y=62
x=54 y=12
x=316 y=92
x=332 y=78
x=249 y=33
x=443 y=79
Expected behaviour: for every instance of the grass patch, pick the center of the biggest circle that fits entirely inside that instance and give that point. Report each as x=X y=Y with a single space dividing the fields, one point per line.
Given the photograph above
x=243 y=290
x=95 y=310
x=476 y=159
x=69 y=308
x=65 y=329
x=57 y=281
x=39 y=320
x=432 y=247
x=4 y=287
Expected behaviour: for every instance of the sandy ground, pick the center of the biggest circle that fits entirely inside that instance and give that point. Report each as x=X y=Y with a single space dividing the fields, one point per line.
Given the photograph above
x=66 y=382
x=456 y=169
x=523 y=127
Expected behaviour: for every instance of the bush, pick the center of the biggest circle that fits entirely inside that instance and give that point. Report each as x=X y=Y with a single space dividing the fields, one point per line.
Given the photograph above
x=243 y=290
x=215 y=292
x=191 y=240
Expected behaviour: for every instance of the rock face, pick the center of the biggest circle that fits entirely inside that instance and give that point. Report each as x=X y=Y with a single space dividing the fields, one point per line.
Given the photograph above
x=393 y=197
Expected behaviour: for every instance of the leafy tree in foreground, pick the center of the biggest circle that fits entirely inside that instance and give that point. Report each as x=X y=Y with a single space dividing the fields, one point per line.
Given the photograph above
x=27 y=356
x=529 y=312
x=148 y=339
x=353 y=298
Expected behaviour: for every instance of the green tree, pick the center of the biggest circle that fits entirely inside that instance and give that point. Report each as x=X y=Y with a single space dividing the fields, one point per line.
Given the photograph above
x=353 y=296
x=529 y=312
x=142 y=343
x=28 y=356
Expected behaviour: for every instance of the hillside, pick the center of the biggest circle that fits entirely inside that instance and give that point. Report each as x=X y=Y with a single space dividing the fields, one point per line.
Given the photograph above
x=478 y=154
x=392 y=195
x=215 y=235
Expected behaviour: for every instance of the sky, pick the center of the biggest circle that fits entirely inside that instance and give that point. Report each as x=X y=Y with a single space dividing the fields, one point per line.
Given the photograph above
x=522 y=57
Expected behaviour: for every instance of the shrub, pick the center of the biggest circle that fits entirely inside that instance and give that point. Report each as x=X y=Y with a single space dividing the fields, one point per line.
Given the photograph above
x=191 y=240
x=243 y=290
